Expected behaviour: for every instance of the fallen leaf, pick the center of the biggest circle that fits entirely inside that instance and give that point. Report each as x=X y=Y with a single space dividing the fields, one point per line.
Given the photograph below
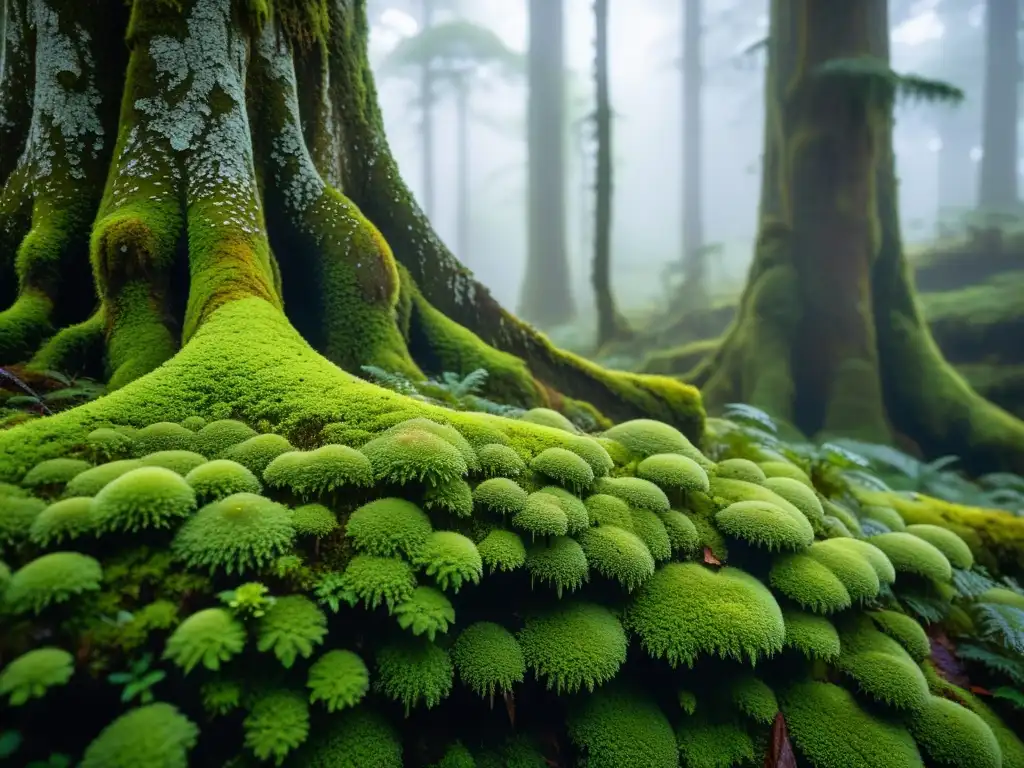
x=980 y=691
x=709 y=557
x=780 y=751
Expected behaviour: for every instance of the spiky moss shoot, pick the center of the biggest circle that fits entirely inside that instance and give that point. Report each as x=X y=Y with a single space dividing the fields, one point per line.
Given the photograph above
x=564 y=467
x=811 y=635
x=30 y=675
x=706 y=744
x=500 y=495
x=277 y=724
x=453 y=496
x=426 y=612
x=752 y=696
x=141 y=499
x=829 y=730
x=451 y=559
x=887 y=516
x=291 y=628
x=106 y=443
x=339 y=679
x=880 y=667
x=951 y=735
x=800 y=496
x=154 y=734
x=549 y=418
x=235 y=534
x=809 y=583
x=646 y=437
x=948 y=543
x=497 y=460
x=92 y=481
x=414 y=455
x=765 y=525
x=635 y=491
x=912 y=554
x=686 y=610
x=414 y=671
x=163 y=436
x=559 y=562
x=314 y=520
x=50 y=580
x=1002 y=596
x=214 y=480
x=652 y=533
x=375 y=580
x=682 y=533
x=387 y=527
x=575 y=510
x=673 y=471
x=853 y=571
x=193 y=423
x=740 y=469
x=875 y=557
x=216 y=437
x=356 y=738
x=845 y=516
x=54 y=473
x=209 y=637
x=446 y=432
x=502 y=550
x=256 y=453
x=66 y=519
x=179 y=461
x=785 y=469
x=488 y=659
x=905 y=631
x=311 y=473
x=604 y=509
x=619 y=728
x=541 y=515
x=618 y=554
x=573 y=646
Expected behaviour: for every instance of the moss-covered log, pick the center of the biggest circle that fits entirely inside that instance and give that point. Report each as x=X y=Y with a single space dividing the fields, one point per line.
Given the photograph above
x=852 y=353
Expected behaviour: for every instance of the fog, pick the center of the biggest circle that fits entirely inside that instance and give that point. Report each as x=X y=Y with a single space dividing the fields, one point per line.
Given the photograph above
x=645 y=41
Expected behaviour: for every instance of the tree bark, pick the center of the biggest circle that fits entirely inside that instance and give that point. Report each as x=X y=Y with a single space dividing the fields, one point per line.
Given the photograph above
x=997 y=183
x=546 y=298
x=462 y=205
x=427 y=117
x=229 y=196
x=694 y=287
x=828 y=334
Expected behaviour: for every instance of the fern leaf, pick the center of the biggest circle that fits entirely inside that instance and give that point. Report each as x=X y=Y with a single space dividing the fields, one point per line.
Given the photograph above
x=971 y=583
x=929 y=609
x=878 y=79
x=748 y=414
x=1003 y=624
x=992 y=660
x=1012 y=695
x=472 y=384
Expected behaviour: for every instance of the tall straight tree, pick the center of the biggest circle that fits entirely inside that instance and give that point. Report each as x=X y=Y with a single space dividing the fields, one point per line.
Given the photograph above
x=426 y=98
x=829 y=335
x=997 y=183
x=694 y=286
x=546 y=297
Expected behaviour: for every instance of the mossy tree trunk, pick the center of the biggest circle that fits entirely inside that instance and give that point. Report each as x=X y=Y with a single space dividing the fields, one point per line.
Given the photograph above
x=829 y=334
x=997 y=181
x=231 y=160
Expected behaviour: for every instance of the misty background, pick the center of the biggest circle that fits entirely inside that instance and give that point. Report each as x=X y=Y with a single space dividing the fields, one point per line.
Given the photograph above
x=938 y=148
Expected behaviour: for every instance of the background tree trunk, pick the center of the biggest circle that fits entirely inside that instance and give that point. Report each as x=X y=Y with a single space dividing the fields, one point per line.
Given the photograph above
x=997 y=183
x=547 y=297
x=694 y=288
x=427 y=116
x=462 y=174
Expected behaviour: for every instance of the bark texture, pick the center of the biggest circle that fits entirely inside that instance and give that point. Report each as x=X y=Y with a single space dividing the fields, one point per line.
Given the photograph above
x=694 y=288
x=997 y=183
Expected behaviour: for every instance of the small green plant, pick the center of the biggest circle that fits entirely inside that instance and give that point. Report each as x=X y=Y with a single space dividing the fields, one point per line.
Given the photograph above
x=248 y=601
x=138 y=681
x=49 y=391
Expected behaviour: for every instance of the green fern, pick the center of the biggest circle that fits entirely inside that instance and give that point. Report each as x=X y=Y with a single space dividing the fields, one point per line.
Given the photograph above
x=1012 y=695
x=879 y=81
x=392 y=381
x=992 y=660
x=1003 y=624
x=972 y=583
x=748 y=414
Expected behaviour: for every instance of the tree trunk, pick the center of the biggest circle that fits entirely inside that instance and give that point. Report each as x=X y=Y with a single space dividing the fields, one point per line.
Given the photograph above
x=997 y=184
x=694 y=288
x=828 y=334
x=462 y=214
x=427 y=117
x=610 y=324
x=220 y=255
x=547 y=296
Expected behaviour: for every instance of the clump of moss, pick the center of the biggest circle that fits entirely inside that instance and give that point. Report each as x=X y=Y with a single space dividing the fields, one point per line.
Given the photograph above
x=488 y=659
x=635 y=491
x=813 y=636
x=454 y=496
x=573 y=646
x=685 y=610
x=564 y=467
x=809 y=583
x=64 y=519
x=217 y=436
x=339 y=679
x=356 y=738
x=800 y=496
x=559 y=562
x=155 y=734
x=92 y=481
x=414 y=455
x=144 y=498
x=549 y=418
x=426 y=612
x=311 y=473
x=497 y=460
x=617 y=727
x=501 y=495
x=388 y=527
x=502 y=550
x=948 y=543
x=682 y=533
x=216 y=479
x=648 y=526
x=849 y=566
x=450 y=558
x=163 y=436
x=752 y=696
x=765 y=525
x=646 y=437
x=911 y=554
x=618 y=554
x=880 y=667
x=905 y=631
x=576 y=515
x=106 y=443
x=32 y=674
x=50 y=580
x=785 y=469
x=375 y=580
x=604 y=509
x=179 y=461
x=314 y=520
x=709 y=744
x=411 y=672
x=674 y=471
x=193 y=423
x=875 y=557
x=235 y=534
x=446 y=432
x=740 y=469
x=277 y=723
x=887 y=516
x=54 y=473
x=209 y=637
x=952 y=735
x=291 y=627
x=541 y=515
x=256 y=453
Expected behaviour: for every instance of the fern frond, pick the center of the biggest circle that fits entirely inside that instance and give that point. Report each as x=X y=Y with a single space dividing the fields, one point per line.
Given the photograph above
x=929 y=609
x=748 y=414
x=875 y=454
x=1012 y=695
x=878 y=79
x=866 y=480
x=993 y=660
x=472 y=383
x=972 y=583
x=1003 y=624
x=392 y=381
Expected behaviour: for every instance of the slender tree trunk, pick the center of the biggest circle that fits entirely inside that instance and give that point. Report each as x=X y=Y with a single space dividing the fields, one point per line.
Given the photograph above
x=694 y=288
x=462 y=212
x=997 y=184
x=427 y=116
x=828 y=333
x=610 y=324
x=547 y=297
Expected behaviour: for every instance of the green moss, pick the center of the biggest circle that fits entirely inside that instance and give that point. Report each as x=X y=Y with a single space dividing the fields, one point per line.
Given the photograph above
x=785 y=469
x=426 y=612
x=845 y=516
x=155 y=734
x=740 y=469
x=50 y=580
x=209 y=638
x=163 y=436
x=541 y=515
x=809 y=583
x=214 y=480
x=951 y=735
x=618 y=554
x=752 y=696
x=575 y=510
x=1002 y=596
x=948 y=543
x=497 y=460
x=564 y=467
x=388 y=527
x=645 y=437
x=311 y=473
x=450 y=558
x=673 y=471
x=765 y=525
x=194 y=423
x=652 y=532
x=635 y=491
x=414 y=672
x=217 y=436
x=682 y=533
x=501 y=495
x=30 y=675
x=105 y=444
x=704 y=744
x=604 y=509
x=65 y=519
x=414 y=455
x=813 y=636
x=488 y=659
x=292 y=627
x=453 y=496
x=912 y=554
x=53 y=473
x=314 y=520
x=617 y=728
x=549 y=418
x=179 y=461
x=800 y=496
x=376 y=580
x=850 y=568
x=92 y=481
x=875 y=557
x=904 y=630
x=887 y=516
x=502 y=551
x=339 y=679
x=880 y=667
x=559 y=562
x=356 y=738
x=277 y=723
x=686 y=610
x=256 y=453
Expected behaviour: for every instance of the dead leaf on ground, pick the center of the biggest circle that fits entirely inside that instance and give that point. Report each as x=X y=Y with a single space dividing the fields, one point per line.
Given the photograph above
x=780 y=751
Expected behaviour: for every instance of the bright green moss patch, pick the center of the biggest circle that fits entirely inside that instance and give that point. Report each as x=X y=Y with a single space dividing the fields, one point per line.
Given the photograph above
x=752 y=696
x=453 y=496
x=799 y=495
x=618 y=728
x=17 y=513
x=502 y=551
x=618 y=554
x=91 y=481
x=564 y=467
x=450 y=558
x=256 y=453
x=704 y=744
x=549 y=418
x=356 y=738
x=682 y=533
x=887 y=516
x=106 y=443
x=216 y=479
x=673 y=471
x=338 y=679
x=163 y=436
x=217 y=436
x=427 y=612
x=314 y=520
x=50 y=580
x=414 y=455
x=541 y=515
x=850 y=568
x=388 y=527
x=880 y=667
x=414 y=672
x=947 y=542
x=740 y=469
x=372 y=581
x=813 y=636
x=179 y=460
x=905 y=631
x=559 y=562
x=66 y=519
x=54 y=472
x=291 y=628
x=576 y=515
x=501 y=495
x=765 y=525
x=497 y=460
x=33 y=673
x=277 y=723
x=310 y=473
x=785 y=469
x=635 y=491
x=686 y=610
x=208 y=638
x=604 y=509
x=646 y=437
x=488 y=659
x=912 y=554
x=651 y=531
x=951 y=735
x=156 y=734
x=809 y=583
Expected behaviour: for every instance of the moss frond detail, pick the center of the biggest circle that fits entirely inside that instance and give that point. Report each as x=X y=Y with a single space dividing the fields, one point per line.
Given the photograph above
x=17 y=513
x=710 y=744
x=30 y=675
x=488 y=659
x=180 y=461
x=559 y=562
x=951 y=735
x=155 y=734
x=217 y=479
x=911 y=554
x=277 y=723
x=502 y=550
x=887 y=516
x=497 y=460
x=355 y=738
x=51 y=580
x=652 y=532
x=635 y=491
x=948 y=543
x=426 y=612
x=765 y=525
x=454 y=496
x=292 y=628
x=809 y=583
x=256 y=453
x=541 y=515
x=163 y=436
x=800 y=496
x=339 y=679
x=314 y=520
x=618 y=554
x=616 y=727
x=66 y=519
x=576 y=514
x=785 y=469
x=674 y=471
x=216 y=437
x=221 y=696
x=105 y=443
x=682 y=533
x=92 y=481
x=646 y=437
x=880 y=667
x=312 y=473
x=450 y=559
x=813 y=636
x=414 y=671
x=905 y=631
x=564 y=467
x=53 y=473
x=414 y=455
x=752 y=696
x=853 y=571
x=209 y=637
x=375 y=581
x=145 y=498
x=389 y=526
x=604 y=509
x=501 y=495
x=549 y=418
